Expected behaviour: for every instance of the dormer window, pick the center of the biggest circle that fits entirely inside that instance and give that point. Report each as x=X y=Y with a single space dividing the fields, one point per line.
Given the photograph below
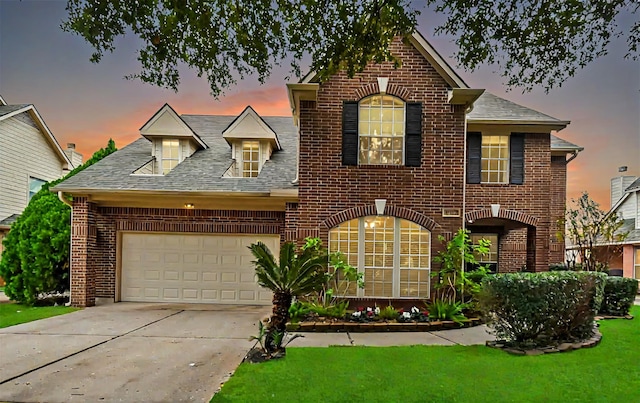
x=252 y=142
x=172 y=141
x=170 y=155
x=251 y=160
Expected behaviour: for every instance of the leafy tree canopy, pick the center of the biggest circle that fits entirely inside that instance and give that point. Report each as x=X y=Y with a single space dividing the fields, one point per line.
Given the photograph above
x=532 y=42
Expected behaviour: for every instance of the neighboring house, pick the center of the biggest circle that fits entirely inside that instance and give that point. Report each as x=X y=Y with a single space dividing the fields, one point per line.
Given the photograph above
x=30 y=156
x=378 y=166
x=625 y=202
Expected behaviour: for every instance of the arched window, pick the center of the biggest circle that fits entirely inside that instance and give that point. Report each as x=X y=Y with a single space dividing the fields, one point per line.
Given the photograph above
x=394 y=254
x=381 y=130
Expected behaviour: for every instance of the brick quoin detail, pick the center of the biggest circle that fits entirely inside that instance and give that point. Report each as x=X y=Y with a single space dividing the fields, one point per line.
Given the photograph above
x=399 y=212
x=503 y=213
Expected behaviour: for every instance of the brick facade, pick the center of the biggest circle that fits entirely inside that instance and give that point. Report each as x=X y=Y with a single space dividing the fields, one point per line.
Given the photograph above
x=94 y=256
x=330 y=193
x=328 y=188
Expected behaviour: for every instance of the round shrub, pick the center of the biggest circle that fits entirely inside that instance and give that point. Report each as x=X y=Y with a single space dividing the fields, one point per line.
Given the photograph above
x=533 y=309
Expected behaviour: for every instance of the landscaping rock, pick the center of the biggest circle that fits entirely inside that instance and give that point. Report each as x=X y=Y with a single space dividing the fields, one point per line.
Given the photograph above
x=534 y=352
x=576 y=346
x=514 y=351
x=565 y=347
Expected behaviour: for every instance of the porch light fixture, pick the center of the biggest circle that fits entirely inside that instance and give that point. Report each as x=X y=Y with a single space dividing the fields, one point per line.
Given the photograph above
x=380 y=205
x=495 y=209
x=189 y=205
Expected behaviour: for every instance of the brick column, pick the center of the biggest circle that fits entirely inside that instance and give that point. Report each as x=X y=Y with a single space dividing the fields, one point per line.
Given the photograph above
x=83 y=242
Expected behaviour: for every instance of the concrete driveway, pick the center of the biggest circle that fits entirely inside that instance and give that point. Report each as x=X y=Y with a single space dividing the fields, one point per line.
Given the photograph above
x=126 y=352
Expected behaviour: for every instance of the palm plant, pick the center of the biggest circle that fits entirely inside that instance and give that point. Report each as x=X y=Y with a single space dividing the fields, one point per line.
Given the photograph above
x=298 y=272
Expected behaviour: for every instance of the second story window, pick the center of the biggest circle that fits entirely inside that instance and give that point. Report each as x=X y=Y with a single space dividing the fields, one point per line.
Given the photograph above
x=381 y=129
x=495 y=159
x=35 y=185
x=250 y=159
x=170 y=155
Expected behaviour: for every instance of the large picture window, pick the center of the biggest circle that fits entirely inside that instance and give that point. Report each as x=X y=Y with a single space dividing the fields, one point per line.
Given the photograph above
x=394 y=254
x=381 y=127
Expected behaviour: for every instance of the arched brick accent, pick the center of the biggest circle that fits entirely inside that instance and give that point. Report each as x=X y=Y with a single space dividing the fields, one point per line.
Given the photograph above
x=392 y=89
x=362 y=211
x=502 y=213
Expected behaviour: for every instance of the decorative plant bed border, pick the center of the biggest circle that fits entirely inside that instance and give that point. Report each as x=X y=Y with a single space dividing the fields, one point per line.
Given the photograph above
x=358 y=327
x=560 y=348
x=601 y=317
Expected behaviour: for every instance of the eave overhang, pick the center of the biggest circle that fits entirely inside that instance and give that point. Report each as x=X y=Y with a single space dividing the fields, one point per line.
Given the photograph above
x=301 y=92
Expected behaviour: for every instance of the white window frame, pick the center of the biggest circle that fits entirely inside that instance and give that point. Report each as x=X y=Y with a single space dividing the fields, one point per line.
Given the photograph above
x=162 y=159
x=503 y=174
x=396 y=283
x=258 y=160
x=362 y=123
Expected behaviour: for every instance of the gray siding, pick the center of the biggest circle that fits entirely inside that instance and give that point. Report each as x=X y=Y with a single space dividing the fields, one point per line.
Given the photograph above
x=24 y=152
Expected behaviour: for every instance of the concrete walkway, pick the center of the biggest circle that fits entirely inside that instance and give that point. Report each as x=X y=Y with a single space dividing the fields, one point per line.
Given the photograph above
x=126 y=352
x=465 y=337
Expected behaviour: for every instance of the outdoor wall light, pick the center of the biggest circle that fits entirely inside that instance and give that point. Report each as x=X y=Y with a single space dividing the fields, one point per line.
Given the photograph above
x=189 y=205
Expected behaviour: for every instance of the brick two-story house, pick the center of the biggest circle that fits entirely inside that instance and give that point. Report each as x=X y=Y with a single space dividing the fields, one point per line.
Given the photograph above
x=377 y=166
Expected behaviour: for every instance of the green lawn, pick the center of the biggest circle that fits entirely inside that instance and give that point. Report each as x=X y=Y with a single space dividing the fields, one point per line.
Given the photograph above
x=14 y=314
x=607 y=373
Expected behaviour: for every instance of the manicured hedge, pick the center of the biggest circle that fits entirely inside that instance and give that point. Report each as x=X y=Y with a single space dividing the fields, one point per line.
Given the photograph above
x=619 y=294
x=540 y=309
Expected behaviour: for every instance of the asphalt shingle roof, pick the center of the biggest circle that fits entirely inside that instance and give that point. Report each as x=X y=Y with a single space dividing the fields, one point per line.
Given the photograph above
x=492 y=107
x=560 y=144
x=7 y=109
x=201 y=172
x=6 y=222
x=634 y=186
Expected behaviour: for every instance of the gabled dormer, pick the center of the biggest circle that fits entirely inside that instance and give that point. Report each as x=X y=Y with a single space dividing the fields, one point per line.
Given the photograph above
x=172 y=141
x=252 y=142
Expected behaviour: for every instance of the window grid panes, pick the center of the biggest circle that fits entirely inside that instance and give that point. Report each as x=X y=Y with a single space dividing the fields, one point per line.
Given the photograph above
x=250 y=159
x=170 y=155
x=35 y=185
x=381 y=130
x=344 y=238
x=495 y=159
x=492 y=256
x=378 y=256
x=394 y=255
x=415 y=248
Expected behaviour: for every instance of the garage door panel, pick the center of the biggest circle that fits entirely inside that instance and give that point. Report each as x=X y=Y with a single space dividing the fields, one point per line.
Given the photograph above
x=191 y=268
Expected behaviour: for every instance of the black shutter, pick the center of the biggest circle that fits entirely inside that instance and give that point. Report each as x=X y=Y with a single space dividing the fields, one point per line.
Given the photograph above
x=413 y=135
x=350 y=133
x=474 y=154
x=516 y=163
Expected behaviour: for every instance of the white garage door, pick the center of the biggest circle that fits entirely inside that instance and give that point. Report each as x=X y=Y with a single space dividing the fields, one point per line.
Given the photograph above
x=192 y=268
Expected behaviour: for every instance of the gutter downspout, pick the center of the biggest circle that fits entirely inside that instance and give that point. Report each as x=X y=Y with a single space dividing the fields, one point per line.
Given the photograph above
x=464 y=184
x=68 y=203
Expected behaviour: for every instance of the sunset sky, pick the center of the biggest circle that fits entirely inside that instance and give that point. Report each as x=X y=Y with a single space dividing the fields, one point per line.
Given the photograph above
x=88 y=103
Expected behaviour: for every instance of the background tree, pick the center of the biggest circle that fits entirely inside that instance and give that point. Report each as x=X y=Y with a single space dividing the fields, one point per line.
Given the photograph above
x=531 y=42
x=594 y=236
x=35 y=260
